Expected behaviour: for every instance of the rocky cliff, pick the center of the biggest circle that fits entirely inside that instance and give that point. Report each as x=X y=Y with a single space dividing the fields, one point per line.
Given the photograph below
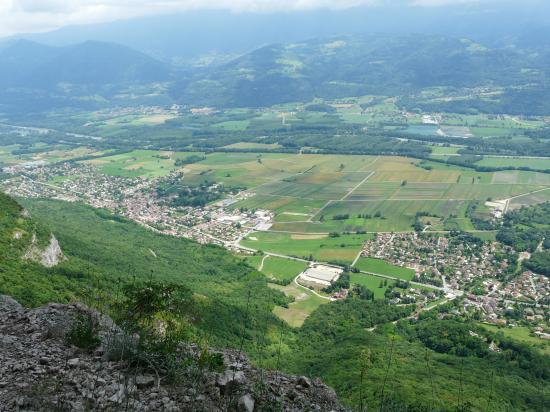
x=49 y=257
x=40 y=371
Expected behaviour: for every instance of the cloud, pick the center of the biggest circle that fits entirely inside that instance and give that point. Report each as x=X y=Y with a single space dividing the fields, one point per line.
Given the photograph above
x=20 y=16
x=435 y=3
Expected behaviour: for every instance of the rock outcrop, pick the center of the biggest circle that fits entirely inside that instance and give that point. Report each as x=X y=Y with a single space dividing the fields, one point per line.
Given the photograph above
x=39 y=371
x=50 y=257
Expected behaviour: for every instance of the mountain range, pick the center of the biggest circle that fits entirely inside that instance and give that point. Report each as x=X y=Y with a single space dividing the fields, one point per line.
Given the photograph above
x=32 y=65
x=96 y=74
x=184 y=37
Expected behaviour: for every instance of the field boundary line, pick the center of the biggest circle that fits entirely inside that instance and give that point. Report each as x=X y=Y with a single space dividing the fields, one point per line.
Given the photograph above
x=357 y=186
x=357 y=257
x=370 y=164
x=528 y=193
x=374 y=232
x=310 y=220
x=287 y=196
x=260 y=268
x=400 y=199
x=518 y=196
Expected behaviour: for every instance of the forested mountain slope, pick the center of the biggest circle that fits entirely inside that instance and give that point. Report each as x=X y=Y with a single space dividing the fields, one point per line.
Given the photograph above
x=104 y=251
x=38 y=78
x=359 y=65
x=96 y=74
x=90 y=64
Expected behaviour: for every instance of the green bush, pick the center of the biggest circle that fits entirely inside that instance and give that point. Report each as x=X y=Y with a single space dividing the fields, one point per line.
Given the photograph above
x=84 y=332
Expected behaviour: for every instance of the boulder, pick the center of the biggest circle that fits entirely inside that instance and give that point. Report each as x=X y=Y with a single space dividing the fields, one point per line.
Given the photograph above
x=8 y=304
x=144 y=381
x=246 y=403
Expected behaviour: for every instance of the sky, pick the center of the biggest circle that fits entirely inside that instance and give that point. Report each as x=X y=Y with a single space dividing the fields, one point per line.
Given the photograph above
x=27 y=16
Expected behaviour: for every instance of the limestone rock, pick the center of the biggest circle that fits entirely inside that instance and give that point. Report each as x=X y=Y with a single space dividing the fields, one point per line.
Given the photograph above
x=40 y=372
x=246 y=403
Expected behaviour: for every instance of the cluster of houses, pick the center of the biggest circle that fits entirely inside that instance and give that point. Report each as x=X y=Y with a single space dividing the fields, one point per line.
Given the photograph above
x=136 y=199
x=478 y=269
x=439 y=260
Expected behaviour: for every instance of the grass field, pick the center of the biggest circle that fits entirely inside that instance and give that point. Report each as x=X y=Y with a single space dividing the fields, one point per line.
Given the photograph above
x=543 y=164
x=442 y=150
x=252 y=145
x=285 y=270
x=282 y=269
x=139 y=163
x=371 y=282
x=305 y=302
x=521 y=177
x=254 y=260
x=51 y=154
x=521 y=334
x=383 y=268
x=531 y=199
x=322 y=248
x=395 y=215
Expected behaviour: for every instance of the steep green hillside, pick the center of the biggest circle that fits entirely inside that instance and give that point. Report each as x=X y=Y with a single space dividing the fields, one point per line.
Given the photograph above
x=104 y=249
x=402 y=369
x=398 y=369
x=25 y=279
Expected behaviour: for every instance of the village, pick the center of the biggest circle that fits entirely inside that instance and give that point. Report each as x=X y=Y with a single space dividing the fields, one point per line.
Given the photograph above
x=480 y=269
x=137 y=200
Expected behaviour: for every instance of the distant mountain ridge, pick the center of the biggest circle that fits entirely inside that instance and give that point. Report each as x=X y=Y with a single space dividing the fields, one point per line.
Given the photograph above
x=188 y=35
x=29 y=64
x=91 y=75
x=358 y=65
x=35 y=78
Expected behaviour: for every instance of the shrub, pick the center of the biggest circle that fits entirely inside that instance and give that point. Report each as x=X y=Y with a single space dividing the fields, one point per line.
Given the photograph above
x=84 y=332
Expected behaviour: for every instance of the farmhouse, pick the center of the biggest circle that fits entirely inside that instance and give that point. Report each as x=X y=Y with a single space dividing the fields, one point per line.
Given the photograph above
x=321 y=274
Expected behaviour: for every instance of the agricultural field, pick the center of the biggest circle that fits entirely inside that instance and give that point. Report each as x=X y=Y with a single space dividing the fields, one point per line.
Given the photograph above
x=6 y=155
x=381 y=267
x=323 y=248
x=534 y=163
x=530 y=199
x=319 y=194
x=313 y=194
x=139 y=163
x=253 y=260
x=253 y=145
x=47 y=154
x=281 y=269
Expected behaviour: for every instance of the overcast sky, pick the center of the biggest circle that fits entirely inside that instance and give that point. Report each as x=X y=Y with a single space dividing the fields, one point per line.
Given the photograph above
x=24 y=16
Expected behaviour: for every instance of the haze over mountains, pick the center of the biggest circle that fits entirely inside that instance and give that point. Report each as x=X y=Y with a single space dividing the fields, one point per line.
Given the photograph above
x=92 y=63
x=234 y=60
x=357 y=65
x=97 y=74
x=187 y=36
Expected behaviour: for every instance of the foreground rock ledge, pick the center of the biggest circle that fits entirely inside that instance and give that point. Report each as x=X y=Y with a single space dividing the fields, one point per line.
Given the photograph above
x=39 y=372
